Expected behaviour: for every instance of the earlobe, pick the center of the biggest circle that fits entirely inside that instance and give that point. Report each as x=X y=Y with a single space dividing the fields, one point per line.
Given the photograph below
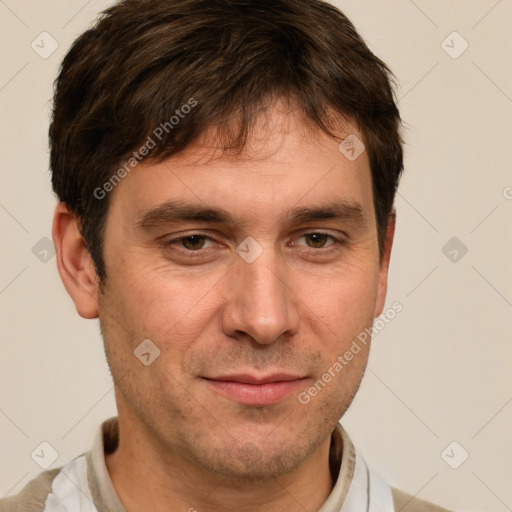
x=384 y=265
x=74 y=262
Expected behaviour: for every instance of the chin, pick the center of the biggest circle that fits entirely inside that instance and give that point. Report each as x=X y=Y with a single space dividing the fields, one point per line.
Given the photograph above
x=247 y=462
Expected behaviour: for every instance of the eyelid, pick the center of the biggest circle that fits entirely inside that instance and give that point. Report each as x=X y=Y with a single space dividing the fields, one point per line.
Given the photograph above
x=168 y=240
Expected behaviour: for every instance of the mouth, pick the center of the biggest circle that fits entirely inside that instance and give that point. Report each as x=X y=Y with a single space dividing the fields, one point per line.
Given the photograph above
x=256 y=391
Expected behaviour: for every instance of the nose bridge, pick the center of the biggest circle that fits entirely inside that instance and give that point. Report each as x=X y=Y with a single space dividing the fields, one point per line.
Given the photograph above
x=260 y=303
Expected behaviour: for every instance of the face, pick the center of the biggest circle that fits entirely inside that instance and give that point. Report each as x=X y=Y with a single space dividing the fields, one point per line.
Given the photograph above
x=251 y=275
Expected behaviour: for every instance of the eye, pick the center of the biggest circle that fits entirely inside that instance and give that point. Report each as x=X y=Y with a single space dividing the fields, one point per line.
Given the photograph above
x=192 y=243
x=317 y=240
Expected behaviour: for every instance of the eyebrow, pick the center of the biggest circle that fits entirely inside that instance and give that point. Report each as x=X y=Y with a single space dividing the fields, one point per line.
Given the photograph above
x=170 y=212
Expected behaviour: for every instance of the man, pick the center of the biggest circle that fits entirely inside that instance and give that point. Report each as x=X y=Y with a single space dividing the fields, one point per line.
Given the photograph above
x=226 y=171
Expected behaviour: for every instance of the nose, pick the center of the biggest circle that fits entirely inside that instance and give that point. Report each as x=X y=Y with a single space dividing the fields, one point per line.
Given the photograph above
x=260 y=301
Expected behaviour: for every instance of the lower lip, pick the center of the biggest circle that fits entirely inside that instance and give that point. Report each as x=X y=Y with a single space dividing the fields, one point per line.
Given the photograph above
x=257 y=395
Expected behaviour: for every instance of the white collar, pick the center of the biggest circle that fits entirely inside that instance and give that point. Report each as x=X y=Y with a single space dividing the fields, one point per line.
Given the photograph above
x=357 y=489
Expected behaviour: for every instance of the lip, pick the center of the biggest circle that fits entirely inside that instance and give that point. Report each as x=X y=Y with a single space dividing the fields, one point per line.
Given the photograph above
x=256 y=391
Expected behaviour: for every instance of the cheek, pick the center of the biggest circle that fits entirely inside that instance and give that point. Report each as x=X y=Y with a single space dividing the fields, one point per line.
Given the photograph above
x=160 y=302
x=343 y=302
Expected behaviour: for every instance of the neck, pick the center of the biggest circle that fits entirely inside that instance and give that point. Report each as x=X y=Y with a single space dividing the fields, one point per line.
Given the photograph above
x=147 y=478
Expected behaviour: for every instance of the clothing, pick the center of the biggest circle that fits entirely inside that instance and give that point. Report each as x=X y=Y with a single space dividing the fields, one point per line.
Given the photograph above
x=84 y=485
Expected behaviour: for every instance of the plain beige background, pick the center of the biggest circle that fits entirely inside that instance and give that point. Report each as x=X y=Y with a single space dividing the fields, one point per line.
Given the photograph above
x=439 y=372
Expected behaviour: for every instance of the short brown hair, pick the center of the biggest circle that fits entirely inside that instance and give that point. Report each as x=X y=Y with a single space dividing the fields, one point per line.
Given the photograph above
x=144 y=60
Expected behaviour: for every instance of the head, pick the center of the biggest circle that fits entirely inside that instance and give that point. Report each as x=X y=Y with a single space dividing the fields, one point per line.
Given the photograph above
x=205 y=205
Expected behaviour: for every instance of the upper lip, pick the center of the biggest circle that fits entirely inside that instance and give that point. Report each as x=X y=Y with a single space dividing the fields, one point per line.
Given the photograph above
x=246 y=378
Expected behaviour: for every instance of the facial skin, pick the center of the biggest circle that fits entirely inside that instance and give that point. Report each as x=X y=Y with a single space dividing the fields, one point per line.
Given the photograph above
x=296 y=308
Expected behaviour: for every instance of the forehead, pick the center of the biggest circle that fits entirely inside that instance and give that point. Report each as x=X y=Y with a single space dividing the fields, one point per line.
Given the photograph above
x=285 y=164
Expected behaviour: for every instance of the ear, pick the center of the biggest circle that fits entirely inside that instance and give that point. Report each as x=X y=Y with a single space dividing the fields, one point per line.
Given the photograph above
x=384 y=265
x=74 y=262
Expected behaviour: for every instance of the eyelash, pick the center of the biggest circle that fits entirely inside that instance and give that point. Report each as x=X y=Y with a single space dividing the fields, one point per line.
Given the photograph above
x=167 y=243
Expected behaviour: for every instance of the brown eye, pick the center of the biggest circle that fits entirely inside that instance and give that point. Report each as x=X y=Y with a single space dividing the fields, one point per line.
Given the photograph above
x=317 y=240
x=193 y=242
